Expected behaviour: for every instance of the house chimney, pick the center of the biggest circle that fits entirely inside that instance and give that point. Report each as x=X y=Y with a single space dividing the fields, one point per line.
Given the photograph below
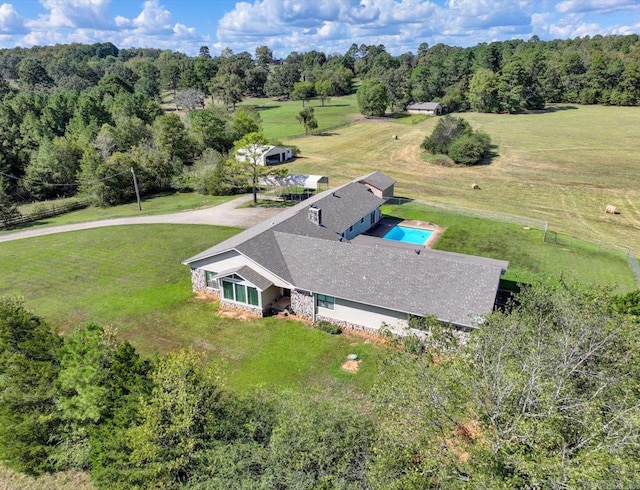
x=315 y=215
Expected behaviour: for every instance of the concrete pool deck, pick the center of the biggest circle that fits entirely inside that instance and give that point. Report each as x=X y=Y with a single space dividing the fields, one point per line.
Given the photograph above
x=385 y=224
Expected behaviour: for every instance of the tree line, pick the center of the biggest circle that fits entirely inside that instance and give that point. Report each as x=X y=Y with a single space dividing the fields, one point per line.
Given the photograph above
x=543 y=395
x=75 y=118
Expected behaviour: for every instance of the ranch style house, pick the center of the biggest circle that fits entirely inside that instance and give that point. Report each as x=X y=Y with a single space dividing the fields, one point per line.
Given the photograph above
x=314 y=260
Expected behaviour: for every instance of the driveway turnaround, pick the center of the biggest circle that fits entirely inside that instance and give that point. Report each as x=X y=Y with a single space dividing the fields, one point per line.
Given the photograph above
x=225 y=214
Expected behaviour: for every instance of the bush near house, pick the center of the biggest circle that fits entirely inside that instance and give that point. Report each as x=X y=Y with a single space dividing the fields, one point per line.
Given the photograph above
x=328 y=327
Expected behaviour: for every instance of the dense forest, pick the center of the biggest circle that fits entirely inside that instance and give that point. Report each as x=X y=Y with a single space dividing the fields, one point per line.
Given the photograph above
x=77 y=118
x=545 y=395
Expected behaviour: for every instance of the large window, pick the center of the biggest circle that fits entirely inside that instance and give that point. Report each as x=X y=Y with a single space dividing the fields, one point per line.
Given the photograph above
x=211 y=282
x=240 y=293
x=227 y=290
x=252 y=296
x=325 y=301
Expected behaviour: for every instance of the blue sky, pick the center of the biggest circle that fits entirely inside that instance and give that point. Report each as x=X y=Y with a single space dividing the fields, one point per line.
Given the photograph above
x=302 y=25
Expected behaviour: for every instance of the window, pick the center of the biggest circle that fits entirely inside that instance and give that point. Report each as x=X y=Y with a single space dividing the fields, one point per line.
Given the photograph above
x=209 y=278
x=252 y=294
x=351 y=228
x=325 y=301
x=227 y=290
x=241 y=293
x=362 y=220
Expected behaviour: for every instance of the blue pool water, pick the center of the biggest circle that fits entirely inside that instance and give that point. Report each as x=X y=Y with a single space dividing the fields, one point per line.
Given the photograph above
x=404 y=234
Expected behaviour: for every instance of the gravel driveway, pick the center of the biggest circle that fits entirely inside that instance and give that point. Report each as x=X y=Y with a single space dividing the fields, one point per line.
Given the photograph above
x=225 y=214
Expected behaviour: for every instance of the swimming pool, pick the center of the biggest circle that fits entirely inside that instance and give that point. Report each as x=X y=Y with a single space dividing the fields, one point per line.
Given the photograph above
x=404 y=234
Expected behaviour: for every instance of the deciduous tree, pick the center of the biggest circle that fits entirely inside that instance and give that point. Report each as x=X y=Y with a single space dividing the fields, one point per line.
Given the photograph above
x=307 y=119
x=372 y=97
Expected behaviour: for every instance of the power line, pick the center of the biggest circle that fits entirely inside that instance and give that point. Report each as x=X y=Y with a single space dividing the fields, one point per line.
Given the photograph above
x=60 y=185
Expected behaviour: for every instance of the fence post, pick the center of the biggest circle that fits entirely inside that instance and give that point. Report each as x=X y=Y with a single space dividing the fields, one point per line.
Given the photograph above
x=546 y=226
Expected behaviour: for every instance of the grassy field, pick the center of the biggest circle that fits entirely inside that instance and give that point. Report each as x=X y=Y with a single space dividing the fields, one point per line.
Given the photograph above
x=279 y=118
x=131 y=278
x=563 y=166
x=529 y=257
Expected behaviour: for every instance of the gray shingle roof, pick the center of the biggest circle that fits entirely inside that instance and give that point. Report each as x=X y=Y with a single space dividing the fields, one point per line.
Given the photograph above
x=424 y=106
x=449 y=286
x=378 y=180
x=248 y=274
x=341 y=208
x=453 y=287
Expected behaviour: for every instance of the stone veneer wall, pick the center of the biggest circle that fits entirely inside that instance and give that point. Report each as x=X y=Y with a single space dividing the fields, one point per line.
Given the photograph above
x=198 y=280
x=255 y=310
x=348 y=326
x=302 y=304
x=461 y=333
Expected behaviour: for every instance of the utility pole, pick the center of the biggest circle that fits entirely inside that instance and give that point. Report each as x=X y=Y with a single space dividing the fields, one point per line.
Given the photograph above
x=135 y=184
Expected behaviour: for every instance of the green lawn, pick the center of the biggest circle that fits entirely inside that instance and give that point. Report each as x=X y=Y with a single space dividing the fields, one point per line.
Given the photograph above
x=131 y=278
x=153 y=205
x=562 y=166
x=529 y=257
x=279 y=118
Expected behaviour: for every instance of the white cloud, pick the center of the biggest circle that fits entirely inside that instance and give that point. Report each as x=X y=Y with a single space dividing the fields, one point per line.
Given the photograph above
x=602 y=6
x=625 y=30
x=74 y=14
x=123 y=22
x=402 y=24
x=565 y=31
x=153 y=19
x=10 y=21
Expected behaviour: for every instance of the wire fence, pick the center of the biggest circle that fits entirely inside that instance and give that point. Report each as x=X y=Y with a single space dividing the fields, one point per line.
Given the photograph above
x=474 y=213
x=549 y=235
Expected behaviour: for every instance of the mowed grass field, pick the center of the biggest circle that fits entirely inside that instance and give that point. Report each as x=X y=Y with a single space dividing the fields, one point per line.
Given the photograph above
x=131 y=278
x=530 y=258
x=279 y=117
x=563 y=166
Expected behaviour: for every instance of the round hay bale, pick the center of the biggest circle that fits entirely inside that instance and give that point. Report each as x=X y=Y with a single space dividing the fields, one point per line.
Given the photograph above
x=610 y=209
x=475 y=187
x=395 y=136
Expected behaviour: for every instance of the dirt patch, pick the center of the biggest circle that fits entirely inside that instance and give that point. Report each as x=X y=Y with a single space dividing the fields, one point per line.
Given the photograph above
x=237 y=314
x=351 y=366
x=203 y=295
x=367 y=337
x=201 y=344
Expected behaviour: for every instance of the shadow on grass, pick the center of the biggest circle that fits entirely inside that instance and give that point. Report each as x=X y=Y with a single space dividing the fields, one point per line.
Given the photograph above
x=26 y=226
x=398 y=115
x=489 y=158
x=261 y=108
x=399 y=200
x=552 y=109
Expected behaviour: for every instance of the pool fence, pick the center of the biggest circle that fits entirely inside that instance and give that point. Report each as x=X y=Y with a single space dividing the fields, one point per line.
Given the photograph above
x=548 y=236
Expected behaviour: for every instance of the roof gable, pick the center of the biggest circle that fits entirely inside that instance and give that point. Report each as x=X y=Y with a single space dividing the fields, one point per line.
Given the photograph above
x=378 y=180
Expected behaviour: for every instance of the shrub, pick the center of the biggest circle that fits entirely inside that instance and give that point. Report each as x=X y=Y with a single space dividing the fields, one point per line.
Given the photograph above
x=446 y=131
x=328 y=327
x=413 y=345
x=469 y=149
x=453 y=136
